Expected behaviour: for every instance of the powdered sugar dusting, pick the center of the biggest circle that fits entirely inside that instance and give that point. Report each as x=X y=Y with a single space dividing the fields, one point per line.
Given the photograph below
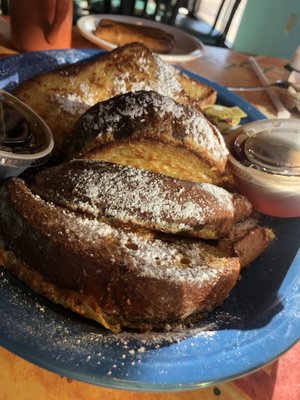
x=196 y=127
x=133 y=195
x=162 y=79
x=78 y=101
x=178 y=261
x=190 y=124
x=148 y=256
x=165 y=81
x=158 y=76
x=72 y=103
x=158 y=259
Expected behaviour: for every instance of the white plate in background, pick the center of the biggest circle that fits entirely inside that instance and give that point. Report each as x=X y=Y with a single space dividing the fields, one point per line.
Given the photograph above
x=186 y=47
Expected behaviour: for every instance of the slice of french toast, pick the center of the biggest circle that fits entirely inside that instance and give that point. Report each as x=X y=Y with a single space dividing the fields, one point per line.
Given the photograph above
x=136 y=197
x=147 y=130
x=60 y=97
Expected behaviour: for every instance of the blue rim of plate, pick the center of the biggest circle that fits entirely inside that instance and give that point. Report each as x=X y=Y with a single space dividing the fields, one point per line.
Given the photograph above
x=258 y=322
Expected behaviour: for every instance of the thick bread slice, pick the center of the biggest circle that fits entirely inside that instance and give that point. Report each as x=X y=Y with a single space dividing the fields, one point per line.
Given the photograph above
x=62 y=96
x=120 y=278
x=121 y=33
x=127 y=195
x=147 y=130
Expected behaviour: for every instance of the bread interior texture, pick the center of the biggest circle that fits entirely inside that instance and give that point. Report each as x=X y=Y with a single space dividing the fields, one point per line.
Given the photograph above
x=158 y=157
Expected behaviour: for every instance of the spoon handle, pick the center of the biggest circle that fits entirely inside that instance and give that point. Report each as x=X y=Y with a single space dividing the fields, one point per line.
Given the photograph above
x=252 y=88
x=282 y=112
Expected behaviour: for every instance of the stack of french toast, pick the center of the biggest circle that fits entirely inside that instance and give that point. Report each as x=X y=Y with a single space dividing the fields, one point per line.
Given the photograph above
x=137 y=223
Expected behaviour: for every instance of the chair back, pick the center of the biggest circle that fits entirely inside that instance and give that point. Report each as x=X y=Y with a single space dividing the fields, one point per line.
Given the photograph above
x=224 y=16
x=159 y=10
x=4 y=7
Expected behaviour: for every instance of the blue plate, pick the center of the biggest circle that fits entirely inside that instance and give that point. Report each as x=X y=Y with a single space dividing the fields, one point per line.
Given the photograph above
x=257 y=323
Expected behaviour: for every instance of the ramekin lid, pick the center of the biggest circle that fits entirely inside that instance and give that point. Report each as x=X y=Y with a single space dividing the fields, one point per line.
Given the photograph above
x=271 y=146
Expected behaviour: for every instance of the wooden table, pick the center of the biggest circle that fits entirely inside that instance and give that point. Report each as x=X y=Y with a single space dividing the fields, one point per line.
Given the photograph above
x=20 y=380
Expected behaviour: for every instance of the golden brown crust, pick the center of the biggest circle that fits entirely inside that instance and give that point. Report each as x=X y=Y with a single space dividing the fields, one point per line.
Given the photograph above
x=121 y=33
x=63 y=95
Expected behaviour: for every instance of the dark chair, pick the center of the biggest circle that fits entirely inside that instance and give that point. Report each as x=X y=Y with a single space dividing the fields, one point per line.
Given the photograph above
x=4 y=7
x=210 y=34
x=162 y=11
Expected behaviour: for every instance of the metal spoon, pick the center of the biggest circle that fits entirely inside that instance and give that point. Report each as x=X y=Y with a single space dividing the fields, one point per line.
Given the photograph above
x=280 y=84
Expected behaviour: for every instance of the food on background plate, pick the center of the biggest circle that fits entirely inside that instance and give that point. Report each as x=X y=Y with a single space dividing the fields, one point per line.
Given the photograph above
x=121 y=33
x=119 y=244
x=61 y=96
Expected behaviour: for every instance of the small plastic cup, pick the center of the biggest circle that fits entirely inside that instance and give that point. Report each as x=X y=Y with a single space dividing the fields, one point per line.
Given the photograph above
x=25 y=138
x=265 y=160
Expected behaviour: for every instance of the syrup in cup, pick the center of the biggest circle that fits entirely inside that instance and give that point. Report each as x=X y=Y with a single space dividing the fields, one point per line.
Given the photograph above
x=265 y=160
x=25 y=138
